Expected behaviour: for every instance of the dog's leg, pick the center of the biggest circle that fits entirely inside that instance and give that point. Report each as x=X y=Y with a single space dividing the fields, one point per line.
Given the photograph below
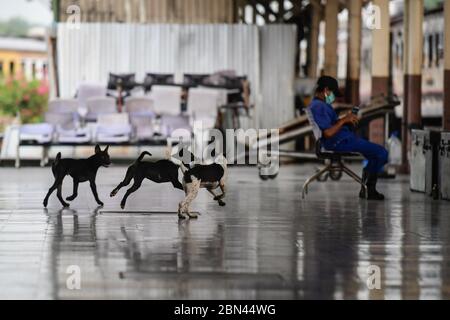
x=183 y=206
x=58 y=181
x=192 y=194
x=137 y=183
x=121 y=185
x=181 y=214
x=212 y=192
x=221 y=196
x=59 y=194
x=50 y=191
x=174 y=180
x=176 y=184
x=216 y=197
x=126 y=181
x=75 y=191
x=222 y=188
x=114 y=192
x=94 y=192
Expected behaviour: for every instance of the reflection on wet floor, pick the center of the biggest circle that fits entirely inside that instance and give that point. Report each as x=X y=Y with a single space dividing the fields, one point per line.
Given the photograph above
x=265 y=244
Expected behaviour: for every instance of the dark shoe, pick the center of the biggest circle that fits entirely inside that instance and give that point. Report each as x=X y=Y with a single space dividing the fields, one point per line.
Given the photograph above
x=372 y=193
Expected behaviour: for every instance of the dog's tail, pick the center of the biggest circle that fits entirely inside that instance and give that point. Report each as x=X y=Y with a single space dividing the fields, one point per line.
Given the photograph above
x=139 y=159
x=56 y=162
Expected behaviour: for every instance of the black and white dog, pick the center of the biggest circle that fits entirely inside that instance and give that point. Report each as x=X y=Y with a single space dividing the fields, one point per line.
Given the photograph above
x=210 y=177
x=160 y=172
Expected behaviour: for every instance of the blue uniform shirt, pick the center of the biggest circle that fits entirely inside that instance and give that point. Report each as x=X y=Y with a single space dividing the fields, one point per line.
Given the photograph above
x=326 y=117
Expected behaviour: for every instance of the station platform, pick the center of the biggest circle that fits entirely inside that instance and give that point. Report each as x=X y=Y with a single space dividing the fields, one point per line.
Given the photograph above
x=266 y=243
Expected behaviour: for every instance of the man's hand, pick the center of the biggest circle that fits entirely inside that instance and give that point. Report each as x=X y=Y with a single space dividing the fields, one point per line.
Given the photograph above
x=351 y=118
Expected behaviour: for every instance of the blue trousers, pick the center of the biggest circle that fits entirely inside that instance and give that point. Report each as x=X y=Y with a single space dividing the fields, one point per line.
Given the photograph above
x=376 y=155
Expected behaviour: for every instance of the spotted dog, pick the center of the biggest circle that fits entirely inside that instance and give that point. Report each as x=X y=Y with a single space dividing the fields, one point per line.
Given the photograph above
x=210 y=177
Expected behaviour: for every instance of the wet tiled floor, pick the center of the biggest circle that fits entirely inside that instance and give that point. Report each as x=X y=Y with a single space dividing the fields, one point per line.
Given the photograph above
x=265 y=244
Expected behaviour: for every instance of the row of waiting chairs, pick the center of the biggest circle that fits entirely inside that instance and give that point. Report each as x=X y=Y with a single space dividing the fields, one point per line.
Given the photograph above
x=158 y=114
x=166 y=99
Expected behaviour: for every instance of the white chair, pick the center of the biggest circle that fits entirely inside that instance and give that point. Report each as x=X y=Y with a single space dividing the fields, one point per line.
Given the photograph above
x=113 y=128
x=60 y=105
x=75 y=135
x=100 y=105
x=142 y=115
x=67 y=130
x=143 y=128
x=60 y=119
x=63 y=114
x=89 y=90
x=171 y=125
x=175 y=129
x=43 y=133
x=139 y=105
x=203 y=105
x=40 y=133
x=166 y=99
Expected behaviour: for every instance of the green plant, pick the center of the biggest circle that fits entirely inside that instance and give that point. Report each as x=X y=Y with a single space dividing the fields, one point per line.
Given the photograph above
x=28 y=98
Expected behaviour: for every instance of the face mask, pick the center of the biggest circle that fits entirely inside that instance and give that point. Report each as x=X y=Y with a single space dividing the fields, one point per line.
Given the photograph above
x=330 y=98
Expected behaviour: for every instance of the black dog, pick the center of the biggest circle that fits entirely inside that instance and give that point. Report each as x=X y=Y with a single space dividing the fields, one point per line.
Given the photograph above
x=159 y=172
x=80 y=170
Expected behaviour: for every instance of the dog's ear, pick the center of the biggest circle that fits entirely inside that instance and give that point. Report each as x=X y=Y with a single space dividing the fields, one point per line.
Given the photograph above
x=97 y=149
x=106 y=149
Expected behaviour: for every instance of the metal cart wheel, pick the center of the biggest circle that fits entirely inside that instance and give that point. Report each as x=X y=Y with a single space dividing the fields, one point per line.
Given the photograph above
x=336 y=175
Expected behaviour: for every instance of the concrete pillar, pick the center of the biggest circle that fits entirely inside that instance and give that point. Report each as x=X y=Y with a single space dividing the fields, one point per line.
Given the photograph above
x=354 y=51
x=446 y=116
x=331 y=28
x=313 y=45
x=380 y=66
x=413 y=59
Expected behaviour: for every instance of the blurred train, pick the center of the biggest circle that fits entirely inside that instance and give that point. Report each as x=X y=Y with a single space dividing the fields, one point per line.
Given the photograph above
x=432 y=64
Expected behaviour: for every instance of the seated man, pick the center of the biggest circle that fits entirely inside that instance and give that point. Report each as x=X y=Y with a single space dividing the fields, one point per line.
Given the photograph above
x=338 y=135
